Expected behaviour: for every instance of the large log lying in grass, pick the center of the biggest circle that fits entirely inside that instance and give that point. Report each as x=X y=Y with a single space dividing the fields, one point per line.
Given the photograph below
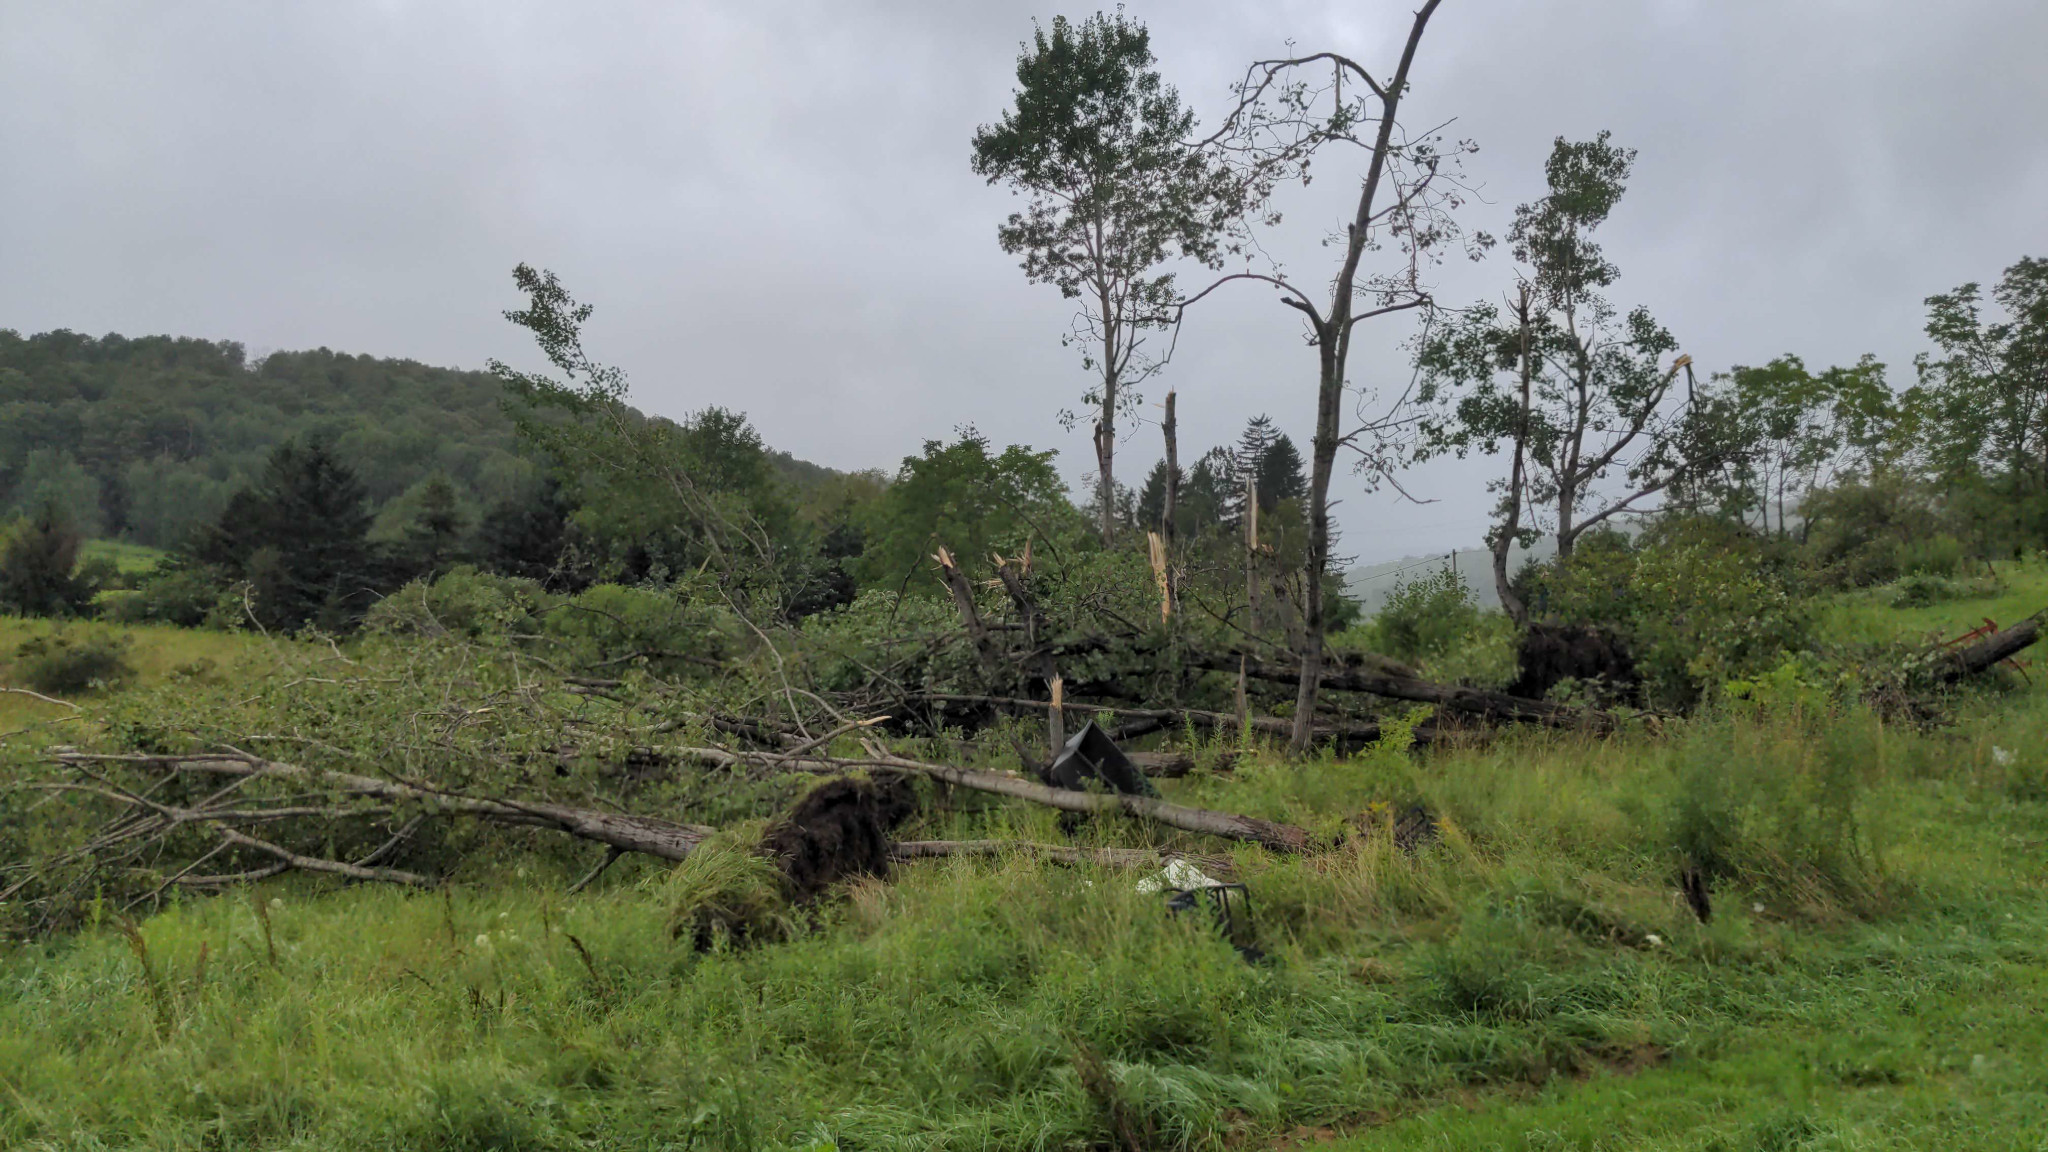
x=1058 y=853
x=665 y=839
x=1229 y=825
x=1981 y=655
x=1140 y=721
x=1386 y=681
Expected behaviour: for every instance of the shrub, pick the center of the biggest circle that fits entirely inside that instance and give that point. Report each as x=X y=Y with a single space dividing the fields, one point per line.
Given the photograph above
x=462 y=602
x=1425 y=618
x=1698 y=601
x=187 y=596
x=1767 y=807
x=62 y=662
x=37 y=558
x=727 y=893
x=614 y=625
x=1866 y=532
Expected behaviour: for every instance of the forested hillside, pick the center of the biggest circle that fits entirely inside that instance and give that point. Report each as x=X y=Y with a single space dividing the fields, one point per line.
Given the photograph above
x=147 y=438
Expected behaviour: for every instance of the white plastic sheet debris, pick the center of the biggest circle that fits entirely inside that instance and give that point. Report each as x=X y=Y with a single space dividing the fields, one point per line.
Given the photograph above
x=1178 y=874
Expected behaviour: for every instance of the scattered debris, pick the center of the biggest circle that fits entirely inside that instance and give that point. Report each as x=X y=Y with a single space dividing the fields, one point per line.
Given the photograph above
x=1092 y=755
x=1178 y=874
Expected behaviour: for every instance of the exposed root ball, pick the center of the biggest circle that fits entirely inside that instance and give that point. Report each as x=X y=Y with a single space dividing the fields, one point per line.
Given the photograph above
x=1554 y=652
x=839 y=831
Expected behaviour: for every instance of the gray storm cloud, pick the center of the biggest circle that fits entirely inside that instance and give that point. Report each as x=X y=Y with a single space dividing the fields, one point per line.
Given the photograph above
x=770 y=204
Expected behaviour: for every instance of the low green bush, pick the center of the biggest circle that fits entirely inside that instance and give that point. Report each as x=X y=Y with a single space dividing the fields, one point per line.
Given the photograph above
x=64 y=662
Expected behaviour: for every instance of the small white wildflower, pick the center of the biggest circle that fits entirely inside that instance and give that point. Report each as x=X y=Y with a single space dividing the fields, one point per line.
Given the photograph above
x=483 y=940
x=1757 y=908
x=276 y=902
x=2001 y=757
x=504 y=915
x=1654 y=940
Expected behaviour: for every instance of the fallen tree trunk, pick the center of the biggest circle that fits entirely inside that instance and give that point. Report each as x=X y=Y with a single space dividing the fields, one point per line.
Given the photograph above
x=1149 y=720
x=1476 y=702
x=1058 y=853
x=1959 y=663
x=1229 y=825
x=645 y=834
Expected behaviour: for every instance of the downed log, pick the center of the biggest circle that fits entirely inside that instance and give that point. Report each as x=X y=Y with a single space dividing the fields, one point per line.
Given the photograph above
x=1058 y=853
x=1148 y=720
x=1229 y=825
x=645 y=834
x=1383 y=681
x=1968 y=660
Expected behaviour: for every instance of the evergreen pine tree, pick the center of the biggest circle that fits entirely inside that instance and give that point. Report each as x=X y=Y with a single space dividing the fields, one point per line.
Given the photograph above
x=1280 y=474
x=433 y=540
x=300 y=536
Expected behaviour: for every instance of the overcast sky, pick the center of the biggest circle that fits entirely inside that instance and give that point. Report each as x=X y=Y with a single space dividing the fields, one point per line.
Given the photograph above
x=769 y=202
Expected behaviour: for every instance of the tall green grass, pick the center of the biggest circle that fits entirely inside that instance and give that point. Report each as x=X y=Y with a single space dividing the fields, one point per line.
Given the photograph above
x=1536 y=941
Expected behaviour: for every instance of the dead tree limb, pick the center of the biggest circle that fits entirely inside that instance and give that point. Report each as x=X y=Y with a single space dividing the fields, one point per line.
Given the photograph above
x=1358 y=733
x=1229 y=825
x=1058 y=853
x=1475 y=702
x=970 y=615
x=665 y=839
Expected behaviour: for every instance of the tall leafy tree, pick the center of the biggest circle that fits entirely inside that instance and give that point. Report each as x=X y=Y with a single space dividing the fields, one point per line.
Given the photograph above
x=699 y=495
x=1790 y=431
x=967 y=498
x=434 y=538
x=1579 y=391
x=1099 y=146
x=1982 y=400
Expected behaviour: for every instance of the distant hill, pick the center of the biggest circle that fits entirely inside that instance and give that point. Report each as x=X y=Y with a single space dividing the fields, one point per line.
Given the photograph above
x=145 y=438
x=1371 y=584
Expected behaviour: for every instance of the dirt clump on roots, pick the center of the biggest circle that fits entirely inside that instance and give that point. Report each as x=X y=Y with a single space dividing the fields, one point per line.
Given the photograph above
x=1553 y=653
x=840 y=830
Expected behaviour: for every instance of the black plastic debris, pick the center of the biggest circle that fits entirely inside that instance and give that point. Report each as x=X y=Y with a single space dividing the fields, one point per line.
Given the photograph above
x=1230 y=905
x=1091 y=755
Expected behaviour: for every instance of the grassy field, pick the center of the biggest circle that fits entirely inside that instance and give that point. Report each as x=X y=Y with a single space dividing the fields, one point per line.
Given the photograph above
x=155 y=654
x=1875 y=974
x=128 y=558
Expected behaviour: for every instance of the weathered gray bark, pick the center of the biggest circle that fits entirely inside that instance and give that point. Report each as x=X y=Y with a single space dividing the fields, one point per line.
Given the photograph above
x=1333 y=339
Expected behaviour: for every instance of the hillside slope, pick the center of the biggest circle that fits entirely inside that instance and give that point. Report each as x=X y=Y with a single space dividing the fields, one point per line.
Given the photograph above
x=144 y=438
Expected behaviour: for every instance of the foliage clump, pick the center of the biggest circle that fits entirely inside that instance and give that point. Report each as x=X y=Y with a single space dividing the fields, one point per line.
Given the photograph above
x=67 y=661
x=726 y=893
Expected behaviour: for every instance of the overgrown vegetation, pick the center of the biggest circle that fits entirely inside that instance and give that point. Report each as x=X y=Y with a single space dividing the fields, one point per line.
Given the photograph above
x=595 y=779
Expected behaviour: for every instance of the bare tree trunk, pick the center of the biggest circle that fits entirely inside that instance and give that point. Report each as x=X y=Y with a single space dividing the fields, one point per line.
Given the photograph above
x=1511 y=603
x=1105 y=425
x=1251 y=550
x=1105 y=462
x=1333 y=343
x=1329 y=406
x=1166 y=519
